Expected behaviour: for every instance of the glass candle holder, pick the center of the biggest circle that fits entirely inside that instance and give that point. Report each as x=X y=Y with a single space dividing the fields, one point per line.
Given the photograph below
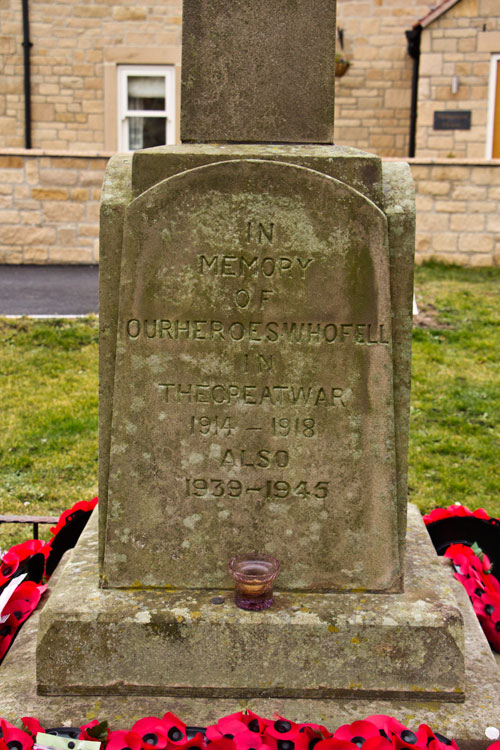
x=253 y=576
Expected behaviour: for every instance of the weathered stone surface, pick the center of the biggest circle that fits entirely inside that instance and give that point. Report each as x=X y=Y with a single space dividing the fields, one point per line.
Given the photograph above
x=361 y=171
x=307 y=645
x=258 y=71
x=358 y=169
x=399 y=207
x=466 y=720
x=116 y=196
x=253 y=401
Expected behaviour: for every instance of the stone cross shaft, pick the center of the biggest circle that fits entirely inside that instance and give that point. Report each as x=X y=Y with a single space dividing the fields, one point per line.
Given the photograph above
x=258 y=71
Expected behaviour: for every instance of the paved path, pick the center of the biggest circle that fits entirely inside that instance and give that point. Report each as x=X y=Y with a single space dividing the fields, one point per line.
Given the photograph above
x=48 y=290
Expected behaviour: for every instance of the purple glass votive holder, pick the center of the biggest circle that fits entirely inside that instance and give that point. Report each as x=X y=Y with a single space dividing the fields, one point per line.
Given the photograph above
x=254 y=577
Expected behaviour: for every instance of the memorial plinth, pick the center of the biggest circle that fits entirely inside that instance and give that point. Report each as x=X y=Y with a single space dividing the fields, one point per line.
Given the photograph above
x=407 y=646
x=261 y=310
x=255 y=315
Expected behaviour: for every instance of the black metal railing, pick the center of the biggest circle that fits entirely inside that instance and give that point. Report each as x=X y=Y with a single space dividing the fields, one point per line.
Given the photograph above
x=34 y=520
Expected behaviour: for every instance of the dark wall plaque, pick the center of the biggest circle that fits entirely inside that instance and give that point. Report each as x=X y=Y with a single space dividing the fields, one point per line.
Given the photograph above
x=452 y=120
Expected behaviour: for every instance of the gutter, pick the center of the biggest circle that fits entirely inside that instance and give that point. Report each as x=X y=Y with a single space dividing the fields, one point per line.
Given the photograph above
x=413 y=36
x=27 y=44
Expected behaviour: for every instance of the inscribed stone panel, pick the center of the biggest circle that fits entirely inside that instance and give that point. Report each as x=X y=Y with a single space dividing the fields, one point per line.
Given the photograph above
x=253 y=406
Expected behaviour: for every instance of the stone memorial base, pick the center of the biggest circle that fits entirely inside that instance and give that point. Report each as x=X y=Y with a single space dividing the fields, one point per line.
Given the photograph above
x=180 y=654
x=198 y=643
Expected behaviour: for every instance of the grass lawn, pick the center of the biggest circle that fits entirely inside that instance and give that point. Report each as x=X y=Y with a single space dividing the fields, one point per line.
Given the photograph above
x=455 y=411
x=48 y=408
x=48 y=403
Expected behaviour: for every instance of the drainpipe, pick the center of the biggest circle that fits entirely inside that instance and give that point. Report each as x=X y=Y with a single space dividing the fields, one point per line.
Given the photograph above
x=413 y=37
x=27 y=75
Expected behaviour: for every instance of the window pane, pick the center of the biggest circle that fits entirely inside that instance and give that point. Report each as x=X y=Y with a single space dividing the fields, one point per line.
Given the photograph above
x=146 y=92
x=146 y=132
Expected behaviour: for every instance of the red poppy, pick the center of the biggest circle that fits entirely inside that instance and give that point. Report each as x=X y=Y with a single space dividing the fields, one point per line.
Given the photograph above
x=474 y=587
x=331 y=743
x=454 y=510
x=433 y=740
x=407 y=741
x=174 y=728
x=389 y=727
x=27 y=593
x=282 y=729
x=482 y=587
x=491 y=583
x=32 y=725
x=15 y=738
x=318 y=729
x=464 y=560
x=8 y=566
x=491 y=628
x=17 y=554
x=254 y=722
x=83 y=730
x=20 y=607
x=487 y=605
x=377 y=743
x=87 y=506
x=357 y=732
x=7 y=632
x=308 y=737
x=231 y=725
x=153 y=732
x=84 y=734
x=248 y=740
x=123 y=740
x=25 y=550
x=195 y=743
x=21 y=604
x=293 y=739
x=222 y=743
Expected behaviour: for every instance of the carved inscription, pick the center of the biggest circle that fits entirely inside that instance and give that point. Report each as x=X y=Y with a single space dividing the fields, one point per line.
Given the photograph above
x=259 y=394
x=253 y=331
x=255 y=395
x=239 y=265
x=270 y=488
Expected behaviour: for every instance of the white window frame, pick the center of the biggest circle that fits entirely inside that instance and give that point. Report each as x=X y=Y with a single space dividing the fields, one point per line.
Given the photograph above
x=495 y=59
x=168 y=72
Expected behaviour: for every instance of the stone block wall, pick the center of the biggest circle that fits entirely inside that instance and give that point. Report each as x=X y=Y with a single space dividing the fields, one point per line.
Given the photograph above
x=460 y=43
x=457 y=211
x=49 y=208
x=72 y=42
x=78 y=47
x=372 y=100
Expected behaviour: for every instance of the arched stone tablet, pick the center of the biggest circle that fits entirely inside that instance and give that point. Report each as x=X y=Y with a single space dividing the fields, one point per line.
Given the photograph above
x=253 y=399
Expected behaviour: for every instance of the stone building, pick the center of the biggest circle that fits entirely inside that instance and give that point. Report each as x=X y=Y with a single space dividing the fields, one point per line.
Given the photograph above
x=459 y=81
x=101 y=77
x=456 y=46
x=82 y=58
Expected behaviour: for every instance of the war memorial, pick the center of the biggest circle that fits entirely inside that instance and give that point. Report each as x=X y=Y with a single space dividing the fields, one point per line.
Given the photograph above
x=256 y=313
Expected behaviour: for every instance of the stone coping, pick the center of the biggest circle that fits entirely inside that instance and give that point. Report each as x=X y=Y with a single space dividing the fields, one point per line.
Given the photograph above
x=431 y=160
x=415 y=160
x=56 y=154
